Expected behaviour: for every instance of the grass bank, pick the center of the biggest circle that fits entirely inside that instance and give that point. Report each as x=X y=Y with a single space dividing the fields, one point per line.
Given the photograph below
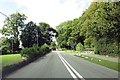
x=10 y=59
x=106 y=63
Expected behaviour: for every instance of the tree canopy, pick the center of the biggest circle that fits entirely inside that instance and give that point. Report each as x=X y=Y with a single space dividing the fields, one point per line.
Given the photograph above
x=97 y=28
x=12 y=26
x=15 y=30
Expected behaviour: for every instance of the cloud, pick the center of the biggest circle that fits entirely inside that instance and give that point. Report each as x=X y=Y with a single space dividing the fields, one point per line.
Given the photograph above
x=53 y=12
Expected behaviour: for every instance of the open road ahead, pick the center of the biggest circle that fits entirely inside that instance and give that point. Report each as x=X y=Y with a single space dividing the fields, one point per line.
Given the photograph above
x=58 y=64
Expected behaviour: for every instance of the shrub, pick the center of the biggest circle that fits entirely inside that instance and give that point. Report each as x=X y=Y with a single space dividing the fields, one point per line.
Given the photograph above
x=79 y=47
x=45 y=48
x=25 y=52
x=35 y=51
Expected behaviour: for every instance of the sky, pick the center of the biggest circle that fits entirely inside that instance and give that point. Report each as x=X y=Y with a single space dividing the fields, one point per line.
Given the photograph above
x=52 y=12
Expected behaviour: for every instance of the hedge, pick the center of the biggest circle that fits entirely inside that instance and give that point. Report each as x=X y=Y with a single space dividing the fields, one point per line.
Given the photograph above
x=35 y=51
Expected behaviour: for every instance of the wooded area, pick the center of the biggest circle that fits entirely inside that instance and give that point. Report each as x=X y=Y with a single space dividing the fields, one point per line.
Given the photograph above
x=97 y=29
x=15 y=30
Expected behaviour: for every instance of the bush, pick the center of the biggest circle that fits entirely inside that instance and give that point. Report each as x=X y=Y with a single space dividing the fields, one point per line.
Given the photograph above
x=35 y=51
x=79 y=47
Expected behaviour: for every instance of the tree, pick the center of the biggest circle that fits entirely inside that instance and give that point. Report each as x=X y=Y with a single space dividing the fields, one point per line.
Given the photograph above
x=64 y=31
x=8 y=44
x=98 y=27
x=53 y=32
x=69 y=34
x=44 y=30
x=47 y=32
x=13 y=23
x=101 y=23
x=5 y=44
x=12 y=26
x=31 y=35
x=14 y=44
x=53 y=45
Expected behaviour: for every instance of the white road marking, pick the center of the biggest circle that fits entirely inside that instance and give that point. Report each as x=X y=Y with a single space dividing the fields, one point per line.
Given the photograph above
x=71 y=67
x=71 y=73
x=73 y=70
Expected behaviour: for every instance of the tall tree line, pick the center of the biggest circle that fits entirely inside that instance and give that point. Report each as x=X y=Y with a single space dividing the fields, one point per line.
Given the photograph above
x=98 y=28
x=15 y=30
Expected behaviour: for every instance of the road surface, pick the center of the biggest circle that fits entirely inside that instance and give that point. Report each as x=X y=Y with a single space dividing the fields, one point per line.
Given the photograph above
x=58 y=64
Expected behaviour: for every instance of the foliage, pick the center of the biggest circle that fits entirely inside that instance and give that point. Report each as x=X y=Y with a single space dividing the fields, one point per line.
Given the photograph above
x=98 y=28
x=79 y=47
x=102 y=25
x=69 y=35
x=13 y=23
x=53 y=45
x=8 y=45
x=33 y=34
x=14 y=44
x=29 y=34
x=12 y=26
x=35 y=51
x=47 y=32
x=5 y=44
x=45 y=49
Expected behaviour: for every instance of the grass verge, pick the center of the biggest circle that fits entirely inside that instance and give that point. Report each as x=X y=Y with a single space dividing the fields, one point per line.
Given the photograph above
x=10 y=59
x=106 y=63
x=69 y=50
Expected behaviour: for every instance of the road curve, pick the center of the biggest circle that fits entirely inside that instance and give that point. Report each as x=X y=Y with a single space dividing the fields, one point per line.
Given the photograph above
x=58 y=64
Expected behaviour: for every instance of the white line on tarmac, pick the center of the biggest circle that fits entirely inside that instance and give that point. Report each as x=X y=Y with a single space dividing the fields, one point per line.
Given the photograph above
x=67 y=64
x=71 y=73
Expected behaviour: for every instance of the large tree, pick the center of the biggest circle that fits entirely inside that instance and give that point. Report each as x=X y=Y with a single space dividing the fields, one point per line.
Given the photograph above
x=102 y=25
x=34 y=34
x=12 y=26
x=47 y=32
x=69 y=34
x=98 y=28
x=31 y=35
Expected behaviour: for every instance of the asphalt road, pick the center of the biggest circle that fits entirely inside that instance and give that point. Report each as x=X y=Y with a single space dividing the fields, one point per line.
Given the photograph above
x=58 y=64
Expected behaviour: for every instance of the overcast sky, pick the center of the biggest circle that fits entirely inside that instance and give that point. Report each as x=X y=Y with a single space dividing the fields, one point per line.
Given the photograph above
x=52 y=12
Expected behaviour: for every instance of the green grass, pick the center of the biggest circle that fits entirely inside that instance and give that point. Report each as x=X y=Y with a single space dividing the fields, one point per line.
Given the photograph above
x=106 y=63
x=10 y=59
x=69 y=50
